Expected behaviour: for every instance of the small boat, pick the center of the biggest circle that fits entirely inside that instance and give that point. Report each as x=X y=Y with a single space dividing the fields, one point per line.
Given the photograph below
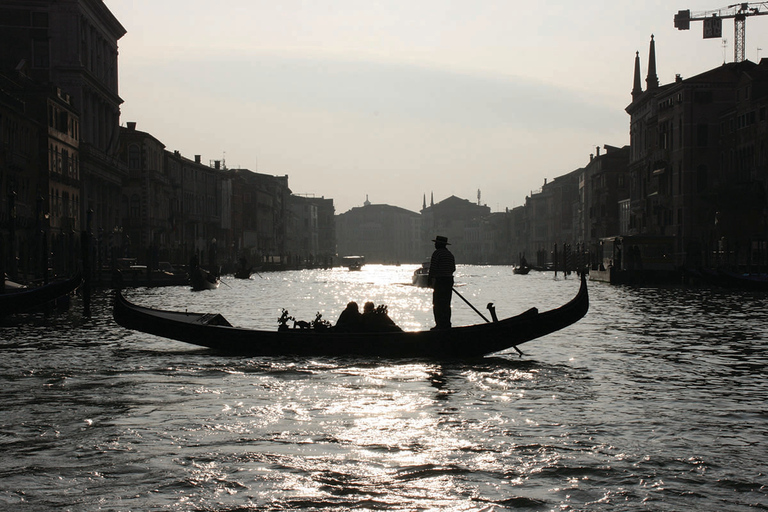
x=727 y=279
x=522 y=268
x=421 y=275
x=354 y=263
x=201 y=279
x=214 y=331
x=243 y=270
x=243 y=273
x=26 y=299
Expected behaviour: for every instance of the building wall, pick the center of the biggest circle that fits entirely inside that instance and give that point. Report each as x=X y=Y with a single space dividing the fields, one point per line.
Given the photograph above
x=380 y=233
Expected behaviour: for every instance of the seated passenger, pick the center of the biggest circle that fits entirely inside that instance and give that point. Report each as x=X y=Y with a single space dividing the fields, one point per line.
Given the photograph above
x=349 y=319
x=375 y=319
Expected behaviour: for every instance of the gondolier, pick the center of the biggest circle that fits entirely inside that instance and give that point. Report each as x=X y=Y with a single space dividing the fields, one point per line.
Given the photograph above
x=441 y=269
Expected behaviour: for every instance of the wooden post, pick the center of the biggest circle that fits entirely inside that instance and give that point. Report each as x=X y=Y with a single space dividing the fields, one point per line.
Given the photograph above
x=85 y=245
x=554 y=259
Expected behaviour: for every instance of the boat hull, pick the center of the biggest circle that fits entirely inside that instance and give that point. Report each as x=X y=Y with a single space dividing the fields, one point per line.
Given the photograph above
x=214 y=332
x=27 y=299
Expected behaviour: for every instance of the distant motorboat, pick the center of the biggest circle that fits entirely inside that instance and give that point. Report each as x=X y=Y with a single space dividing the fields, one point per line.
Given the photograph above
x=353 y=262
x=421 y=275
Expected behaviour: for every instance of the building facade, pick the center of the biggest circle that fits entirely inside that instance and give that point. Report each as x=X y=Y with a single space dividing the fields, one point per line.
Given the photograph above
x=70 y=46
x=381 y=233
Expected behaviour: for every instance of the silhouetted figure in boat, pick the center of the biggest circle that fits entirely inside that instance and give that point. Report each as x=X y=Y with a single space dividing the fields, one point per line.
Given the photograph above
x=441 y=269
x=376 y=319
x=350 y=319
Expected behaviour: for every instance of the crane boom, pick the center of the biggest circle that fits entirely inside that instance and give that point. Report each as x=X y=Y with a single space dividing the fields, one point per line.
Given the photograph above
x=713 y=22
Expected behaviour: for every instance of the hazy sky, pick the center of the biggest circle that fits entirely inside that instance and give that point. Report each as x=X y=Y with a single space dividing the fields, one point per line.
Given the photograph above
x=399 y=99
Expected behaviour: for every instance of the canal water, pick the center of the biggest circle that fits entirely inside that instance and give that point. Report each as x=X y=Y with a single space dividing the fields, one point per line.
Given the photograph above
x=656 y=400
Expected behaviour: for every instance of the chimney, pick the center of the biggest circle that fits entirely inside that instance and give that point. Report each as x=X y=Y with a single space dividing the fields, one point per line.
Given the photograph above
x=197 y=159
x=131 y=125
x=217 y=164
x=598 y=150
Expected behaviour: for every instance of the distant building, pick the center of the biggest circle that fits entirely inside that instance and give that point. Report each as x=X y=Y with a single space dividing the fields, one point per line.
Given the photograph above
x=196 y=210
x=381 y=233
x=311 y=234
x=146 y=199
x=553 y=216
x=602 y=186
x=461 y=221
x=260 y=216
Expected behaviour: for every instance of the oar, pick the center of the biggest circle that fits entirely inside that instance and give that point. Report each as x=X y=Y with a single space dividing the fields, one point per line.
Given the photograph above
x=469 y=304
x=483 y=316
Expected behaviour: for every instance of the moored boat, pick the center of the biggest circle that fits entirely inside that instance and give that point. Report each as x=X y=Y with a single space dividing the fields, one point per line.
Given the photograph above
x=26 y=299
x=215 y=332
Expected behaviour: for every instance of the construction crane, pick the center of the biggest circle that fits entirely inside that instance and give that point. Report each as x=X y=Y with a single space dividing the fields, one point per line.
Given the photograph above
x=713 y=22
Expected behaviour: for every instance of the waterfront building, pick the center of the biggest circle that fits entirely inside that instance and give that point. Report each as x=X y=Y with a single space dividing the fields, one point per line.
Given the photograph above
x=196 y=209
x=553 y=216
x=146 y=200
x=696 y=171
x=311 y=234
x=260 y=216
x=740 y=235
x=42 y=172
x=72 y=45
x=20 y=162
x=602 y=186
x=458 y=219
x=381 y=233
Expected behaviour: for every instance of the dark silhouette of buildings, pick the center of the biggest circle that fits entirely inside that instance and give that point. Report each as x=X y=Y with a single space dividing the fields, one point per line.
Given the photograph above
x=693 y=176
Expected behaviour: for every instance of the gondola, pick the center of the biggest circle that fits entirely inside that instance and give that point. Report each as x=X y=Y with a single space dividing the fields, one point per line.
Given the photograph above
x=201 y=279
x=215 y=332
x=26 y=299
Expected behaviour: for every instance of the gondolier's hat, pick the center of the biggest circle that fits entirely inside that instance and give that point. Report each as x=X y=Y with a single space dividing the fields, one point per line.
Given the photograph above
x=441 y=240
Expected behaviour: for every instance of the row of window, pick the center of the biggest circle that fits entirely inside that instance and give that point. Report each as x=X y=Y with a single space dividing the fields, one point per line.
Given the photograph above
x=62 y=121
x=62 y=162
x=64 y=205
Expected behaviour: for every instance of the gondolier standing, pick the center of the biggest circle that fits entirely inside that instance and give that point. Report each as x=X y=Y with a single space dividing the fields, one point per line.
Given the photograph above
x=441 y=269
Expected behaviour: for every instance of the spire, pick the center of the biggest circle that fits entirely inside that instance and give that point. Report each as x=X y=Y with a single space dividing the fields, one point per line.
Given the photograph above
x=432 y=199
x=367 y=202
x=652 y=81
x=637 y=89
x=424 y=202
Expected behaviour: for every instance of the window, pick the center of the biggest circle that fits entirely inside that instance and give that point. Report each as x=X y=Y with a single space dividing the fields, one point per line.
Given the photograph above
x=40 y=53
x=702 y=97
x=702 y=134
x=701 y=178
x=135 y=207
x=134 y=156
